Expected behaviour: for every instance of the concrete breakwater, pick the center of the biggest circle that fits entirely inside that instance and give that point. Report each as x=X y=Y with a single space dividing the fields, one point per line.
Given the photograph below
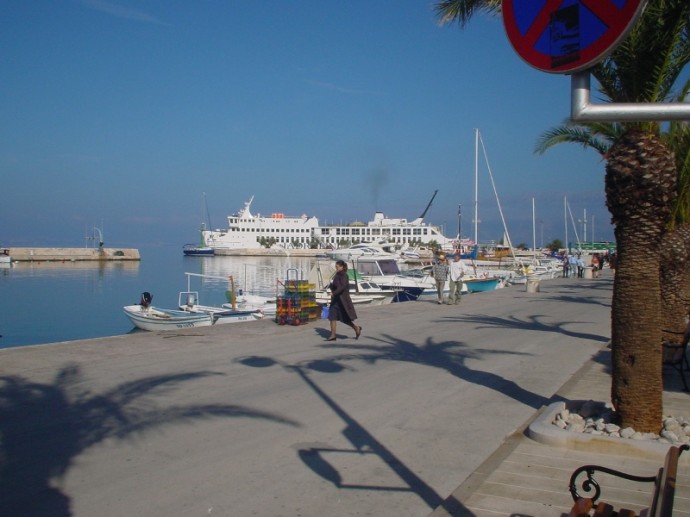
x=72 y=254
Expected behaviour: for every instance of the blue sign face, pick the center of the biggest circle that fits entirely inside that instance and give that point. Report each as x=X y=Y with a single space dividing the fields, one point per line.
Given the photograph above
x=569 y=35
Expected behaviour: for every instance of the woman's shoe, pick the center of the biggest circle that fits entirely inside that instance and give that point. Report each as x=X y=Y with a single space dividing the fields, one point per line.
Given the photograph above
x=332 y=338
x=358 y=333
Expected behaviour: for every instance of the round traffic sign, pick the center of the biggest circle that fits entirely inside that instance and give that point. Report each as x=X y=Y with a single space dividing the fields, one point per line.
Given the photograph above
x=566 y=36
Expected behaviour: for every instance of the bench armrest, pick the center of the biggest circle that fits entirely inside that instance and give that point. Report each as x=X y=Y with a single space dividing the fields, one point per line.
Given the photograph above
x=589 y=483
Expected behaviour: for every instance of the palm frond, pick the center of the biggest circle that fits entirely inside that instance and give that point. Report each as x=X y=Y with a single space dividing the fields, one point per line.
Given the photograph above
x=596 y=135
x=461 y=11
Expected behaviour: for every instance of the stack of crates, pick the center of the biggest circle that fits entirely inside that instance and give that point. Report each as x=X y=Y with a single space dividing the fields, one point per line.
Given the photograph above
x=297 y=305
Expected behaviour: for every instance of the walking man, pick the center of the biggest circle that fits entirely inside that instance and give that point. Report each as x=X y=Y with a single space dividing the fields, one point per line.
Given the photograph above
x=457 y=271
x=439 y=272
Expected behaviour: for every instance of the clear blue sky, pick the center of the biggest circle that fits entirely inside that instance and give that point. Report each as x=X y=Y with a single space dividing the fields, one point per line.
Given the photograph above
x=122 y=113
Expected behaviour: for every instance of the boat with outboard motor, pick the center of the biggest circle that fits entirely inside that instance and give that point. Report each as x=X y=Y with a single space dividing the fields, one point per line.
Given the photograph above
x=146 y=317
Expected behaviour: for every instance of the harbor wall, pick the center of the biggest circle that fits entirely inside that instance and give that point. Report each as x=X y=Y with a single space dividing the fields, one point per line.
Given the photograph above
x=72 y=254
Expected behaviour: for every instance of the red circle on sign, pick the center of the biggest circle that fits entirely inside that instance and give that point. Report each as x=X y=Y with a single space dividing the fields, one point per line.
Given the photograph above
x=557 y=38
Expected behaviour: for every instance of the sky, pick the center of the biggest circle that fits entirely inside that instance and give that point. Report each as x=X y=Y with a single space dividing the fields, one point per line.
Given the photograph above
x=125 y=114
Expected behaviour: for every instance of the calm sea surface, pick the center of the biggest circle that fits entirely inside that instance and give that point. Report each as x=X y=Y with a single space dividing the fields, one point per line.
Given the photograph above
x=48 y=302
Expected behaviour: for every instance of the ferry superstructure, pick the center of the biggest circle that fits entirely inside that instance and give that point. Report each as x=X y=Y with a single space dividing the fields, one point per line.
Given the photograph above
x=248 y=231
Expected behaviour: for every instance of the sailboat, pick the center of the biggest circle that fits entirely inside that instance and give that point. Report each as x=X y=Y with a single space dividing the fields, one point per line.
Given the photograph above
x=200 y=249
x=487 y=280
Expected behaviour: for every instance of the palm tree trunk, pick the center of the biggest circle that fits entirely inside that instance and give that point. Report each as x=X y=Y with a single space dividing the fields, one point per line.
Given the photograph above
x=675 y=255
x=640 y=187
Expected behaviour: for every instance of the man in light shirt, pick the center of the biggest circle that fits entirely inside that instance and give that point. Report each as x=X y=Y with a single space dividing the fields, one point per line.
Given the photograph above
x=457 y=271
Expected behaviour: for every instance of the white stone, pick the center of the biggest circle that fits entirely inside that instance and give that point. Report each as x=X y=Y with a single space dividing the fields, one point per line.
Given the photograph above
x=668 y=435
x=611 y=428
x=576 y=427
x=627 y=432
x=575 y=418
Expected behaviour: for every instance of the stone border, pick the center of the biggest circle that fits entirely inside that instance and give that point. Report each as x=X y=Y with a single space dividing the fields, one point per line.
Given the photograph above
x=543 y=430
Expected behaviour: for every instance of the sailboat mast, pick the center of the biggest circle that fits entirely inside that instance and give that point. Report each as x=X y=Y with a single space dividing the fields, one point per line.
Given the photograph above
x=565 y=221
x=534 y=232
x=476 y=189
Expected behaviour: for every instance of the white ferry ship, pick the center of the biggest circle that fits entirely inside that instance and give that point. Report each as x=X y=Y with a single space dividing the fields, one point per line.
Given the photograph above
x=248 y=231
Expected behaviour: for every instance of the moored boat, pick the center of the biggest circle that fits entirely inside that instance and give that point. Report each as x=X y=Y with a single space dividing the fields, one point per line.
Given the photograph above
x=201 y=249
x=362 y=292
x=480 y=285
x=147 y=317
x=189 y=302
x=386 y=273
x=196 y=250
x=246 y=302
x=5 y=257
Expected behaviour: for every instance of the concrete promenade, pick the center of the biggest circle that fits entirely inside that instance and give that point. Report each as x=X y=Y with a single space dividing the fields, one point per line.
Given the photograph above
x=424 y=414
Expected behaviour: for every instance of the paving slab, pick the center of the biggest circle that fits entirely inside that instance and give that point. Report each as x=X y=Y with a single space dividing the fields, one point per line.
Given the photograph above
x=261 y=419
x=529 y=474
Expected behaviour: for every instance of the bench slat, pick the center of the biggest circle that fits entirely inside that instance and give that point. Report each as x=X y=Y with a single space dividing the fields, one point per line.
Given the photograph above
x=581 y=507
x=663 y=500
x=603 y=510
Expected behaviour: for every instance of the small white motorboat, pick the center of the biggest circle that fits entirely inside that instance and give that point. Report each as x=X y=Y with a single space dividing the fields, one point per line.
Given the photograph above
x=147 y=317
x=189 y=303
x=245 y=302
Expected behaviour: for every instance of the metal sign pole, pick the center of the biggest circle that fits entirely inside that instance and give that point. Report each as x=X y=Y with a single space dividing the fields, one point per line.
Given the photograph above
x=582 y=110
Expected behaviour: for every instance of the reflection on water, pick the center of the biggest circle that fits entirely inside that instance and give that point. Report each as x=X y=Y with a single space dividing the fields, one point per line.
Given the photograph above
x=46 y=302
x=71 y=267
x=257 y=275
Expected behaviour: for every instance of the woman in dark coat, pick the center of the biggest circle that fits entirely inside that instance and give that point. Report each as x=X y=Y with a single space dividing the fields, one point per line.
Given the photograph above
x=341 y=308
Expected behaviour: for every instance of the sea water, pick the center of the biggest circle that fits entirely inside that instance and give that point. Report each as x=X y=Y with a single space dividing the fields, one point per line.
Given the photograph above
x=48 y=302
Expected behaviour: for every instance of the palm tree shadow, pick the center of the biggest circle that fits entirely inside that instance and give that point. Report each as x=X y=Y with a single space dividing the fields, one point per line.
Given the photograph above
x=43 y=427
x=531 y=323
x=449 y=356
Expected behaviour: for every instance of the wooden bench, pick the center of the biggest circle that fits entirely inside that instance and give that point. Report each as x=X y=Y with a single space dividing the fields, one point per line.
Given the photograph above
x=661 y=504
x=675 y=354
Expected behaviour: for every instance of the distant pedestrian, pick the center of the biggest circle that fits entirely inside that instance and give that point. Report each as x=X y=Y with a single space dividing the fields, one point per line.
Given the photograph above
x=439 y=273
x=457 y=271
x=341 y=308
x=573 y=265
x=565 y=261
x=595 y=265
